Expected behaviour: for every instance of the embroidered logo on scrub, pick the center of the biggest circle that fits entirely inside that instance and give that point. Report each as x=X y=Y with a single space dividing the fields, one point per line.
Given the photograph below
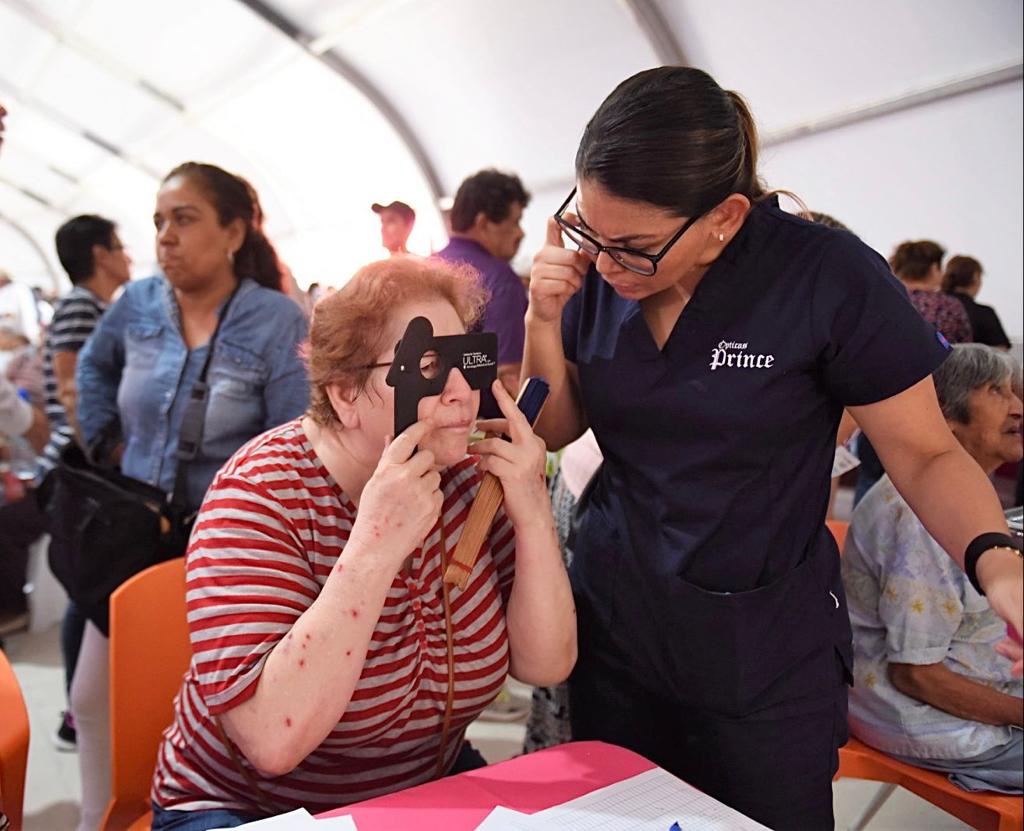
x=731 y=353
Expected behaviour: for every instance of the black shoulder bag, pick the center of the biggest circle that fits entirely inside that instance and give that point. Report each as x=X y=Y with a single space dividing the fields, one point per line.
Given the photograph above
x=105 y=526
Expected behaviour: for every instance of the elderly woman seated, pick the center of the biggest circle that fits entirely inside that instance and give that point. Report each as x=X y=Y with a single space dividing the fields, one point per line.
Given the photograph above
x=929 y=687
x=331 y=663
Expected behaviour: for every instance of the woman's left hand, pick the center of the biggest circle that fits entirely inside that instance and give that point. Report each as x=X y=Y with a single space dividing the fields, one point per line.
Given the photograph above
x=519 y=464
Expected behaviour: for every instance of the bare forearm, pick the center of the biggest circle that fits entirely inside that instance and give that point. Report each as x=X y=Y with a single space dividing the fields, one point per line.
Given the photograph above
x=541 y=615
x=309 y=677
x=939 y=686
x=561 y=420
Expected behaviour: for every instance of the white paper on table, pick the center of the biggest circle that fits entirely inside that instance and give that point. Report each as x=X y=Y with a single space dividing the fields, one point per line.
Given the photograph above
x=649 y=801
x=505 y=819
x=843 y=461
x=345 y=823
x=298 y=820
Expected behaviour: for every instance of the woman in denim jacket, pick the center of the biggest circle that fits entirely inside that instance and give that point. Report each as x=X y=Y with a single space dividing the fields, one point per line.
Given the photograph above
x=137 y=370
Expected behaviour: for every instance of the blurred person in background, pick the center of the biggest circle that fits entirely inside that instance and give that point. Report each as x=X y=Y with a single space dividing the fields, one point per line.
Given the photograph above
x=18 y=307
x=929 y=688
x=918 y=264
x=17 y=416
x=97 y=263
x=962 y=280
x=485 y=235
x=396 y=223
x=136 y=373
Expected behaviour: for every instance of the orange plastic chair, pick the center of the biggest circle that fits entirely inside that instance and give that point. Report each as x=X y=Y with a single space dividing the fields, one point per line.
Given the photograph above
x=13 y=744
x=149 y=654
x=985 y=811
x=838 y=527
x=996 y=812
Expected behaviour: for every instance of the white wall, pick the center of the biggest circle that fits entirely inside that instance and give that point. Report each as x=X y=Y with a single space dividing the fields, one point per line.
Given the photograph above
x=949 y=171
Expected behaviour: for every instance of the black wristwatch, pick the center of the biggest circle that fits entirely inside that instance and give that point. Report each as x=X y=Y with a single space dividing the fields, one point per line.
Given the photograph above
x=978 y=546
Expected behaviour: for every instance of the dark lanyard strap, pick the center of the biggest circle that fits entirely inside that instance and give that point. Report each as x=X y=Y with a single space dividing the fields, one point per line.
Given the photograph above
x=190 y=435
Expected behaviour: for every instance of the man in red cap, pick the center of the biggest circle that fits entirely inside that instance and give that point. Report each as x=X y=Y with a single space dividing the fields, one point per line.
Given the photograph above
x=396 y=221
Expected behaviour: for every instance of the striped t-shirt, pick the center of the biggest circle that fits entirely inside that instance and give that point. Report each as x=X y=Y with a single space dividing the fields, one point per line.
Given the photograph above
x=272 y=527
x=75 y=317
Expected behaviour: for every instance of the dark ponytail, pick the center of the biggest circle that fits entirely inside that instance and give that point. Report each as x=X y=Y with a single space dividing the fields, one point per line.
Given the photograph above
x=672 y=137
x=234 y=198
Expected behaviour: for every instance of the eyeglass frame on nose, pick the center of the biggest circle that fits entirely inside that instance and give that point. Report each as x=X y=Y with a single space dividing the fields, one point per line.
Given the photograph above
x=611 y=250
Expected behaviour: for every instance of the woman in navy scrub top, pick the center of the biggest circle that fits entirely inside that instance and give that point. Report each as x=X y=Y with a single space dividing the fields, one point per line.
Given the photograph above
x=712 y=341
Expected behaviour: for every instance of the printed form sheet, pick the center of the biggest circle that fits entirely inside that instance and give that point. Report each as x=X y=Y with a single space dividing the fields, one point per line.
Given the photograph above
x=651 y=801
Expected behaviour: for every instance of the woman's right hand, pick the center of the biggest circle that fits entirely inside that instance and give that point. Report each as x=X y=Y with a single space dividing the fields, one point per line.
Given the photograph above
x=557 y=274
x=402 y=500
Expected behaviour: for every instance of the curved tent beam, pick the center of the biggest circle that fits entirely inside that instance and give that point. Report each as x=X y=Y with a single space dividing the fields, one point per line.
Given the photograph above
x=655 y=28
x=909 y=100
x=35 y=246
x=346 y=70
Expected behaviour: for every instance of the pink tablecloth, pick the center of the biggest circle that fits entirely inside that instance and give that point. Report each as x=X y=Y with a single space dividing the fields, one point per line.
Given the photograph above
x=527 y=783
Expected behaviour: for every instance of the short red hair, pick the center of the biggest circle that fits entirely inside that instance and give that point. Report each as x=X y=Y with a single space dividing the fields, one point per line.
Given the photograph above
x=349 y=327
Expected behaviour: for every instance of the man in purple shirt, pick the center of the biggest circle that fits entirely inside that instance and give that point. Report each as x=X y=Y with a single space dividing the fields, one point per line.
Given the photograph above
x=485 y=234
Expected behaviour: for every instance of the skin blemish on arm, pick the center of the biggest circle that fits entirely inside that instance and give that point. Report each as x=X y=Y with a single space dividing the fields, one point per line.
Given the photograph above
x=287 y=721
x=355 y=613
x=302 y=662
x=348 y=653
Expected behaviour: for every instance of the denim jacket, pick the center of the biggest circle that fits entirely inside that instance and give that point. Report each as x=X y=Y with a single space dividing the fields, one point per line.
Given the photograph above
x=137 y=370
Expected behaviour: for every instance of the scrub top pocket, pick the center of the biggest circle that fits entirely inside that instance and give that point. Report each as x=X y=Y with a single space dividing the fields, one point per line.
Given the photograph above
x=737 y=652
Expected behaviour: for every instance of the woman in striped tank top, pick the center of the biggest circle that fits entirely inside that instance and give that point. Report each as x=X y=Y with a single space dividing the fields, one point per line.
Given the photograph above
x=330 y=663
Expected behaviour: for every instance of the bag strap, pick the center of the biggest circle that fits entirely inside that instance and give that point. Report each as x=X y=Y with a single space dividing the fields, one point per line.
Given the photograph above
x=449 y=703
x=190 y=435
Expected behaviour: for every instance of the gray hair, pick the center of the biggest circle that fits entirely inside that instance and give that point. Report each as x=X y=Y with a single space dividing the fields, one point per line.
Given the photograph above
x=971 y=366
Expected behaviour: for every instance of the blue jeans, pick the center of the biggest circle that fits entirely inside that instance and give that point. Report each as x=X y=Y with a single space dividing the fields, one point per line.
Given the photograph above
x=199 y=820
x=469 y=758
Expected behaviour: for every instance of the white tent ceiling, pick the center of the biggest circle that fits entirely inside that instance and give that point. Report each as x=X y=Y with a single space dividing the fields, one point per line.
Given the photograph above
x=901 y=117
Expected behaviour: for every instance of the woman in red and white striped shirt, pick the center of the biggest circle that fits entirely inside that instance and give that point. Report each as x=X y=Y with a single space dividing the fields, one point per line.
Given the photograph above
x=319 y=622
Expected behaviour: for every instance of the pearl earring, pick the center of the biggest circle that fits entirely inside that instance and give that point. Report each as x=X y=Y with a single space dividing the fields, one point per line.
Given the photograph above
x=721 y=237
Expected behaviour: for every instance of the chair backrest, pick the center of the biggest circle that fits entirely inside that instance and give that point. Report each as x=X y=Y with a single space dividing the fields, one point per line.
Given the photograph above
x=13 y=744
x=149 y=654
x=838 y=527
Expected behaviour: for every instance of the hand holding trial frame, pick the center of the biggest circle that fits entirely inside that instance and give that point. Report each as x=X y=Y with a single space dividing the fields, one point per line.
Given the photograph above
x=490 y=495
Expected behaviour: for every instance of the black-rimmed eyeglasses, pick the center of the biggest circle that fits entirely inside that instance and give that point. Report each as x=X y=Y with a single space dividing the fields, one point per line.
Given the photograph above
x=638 y=262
